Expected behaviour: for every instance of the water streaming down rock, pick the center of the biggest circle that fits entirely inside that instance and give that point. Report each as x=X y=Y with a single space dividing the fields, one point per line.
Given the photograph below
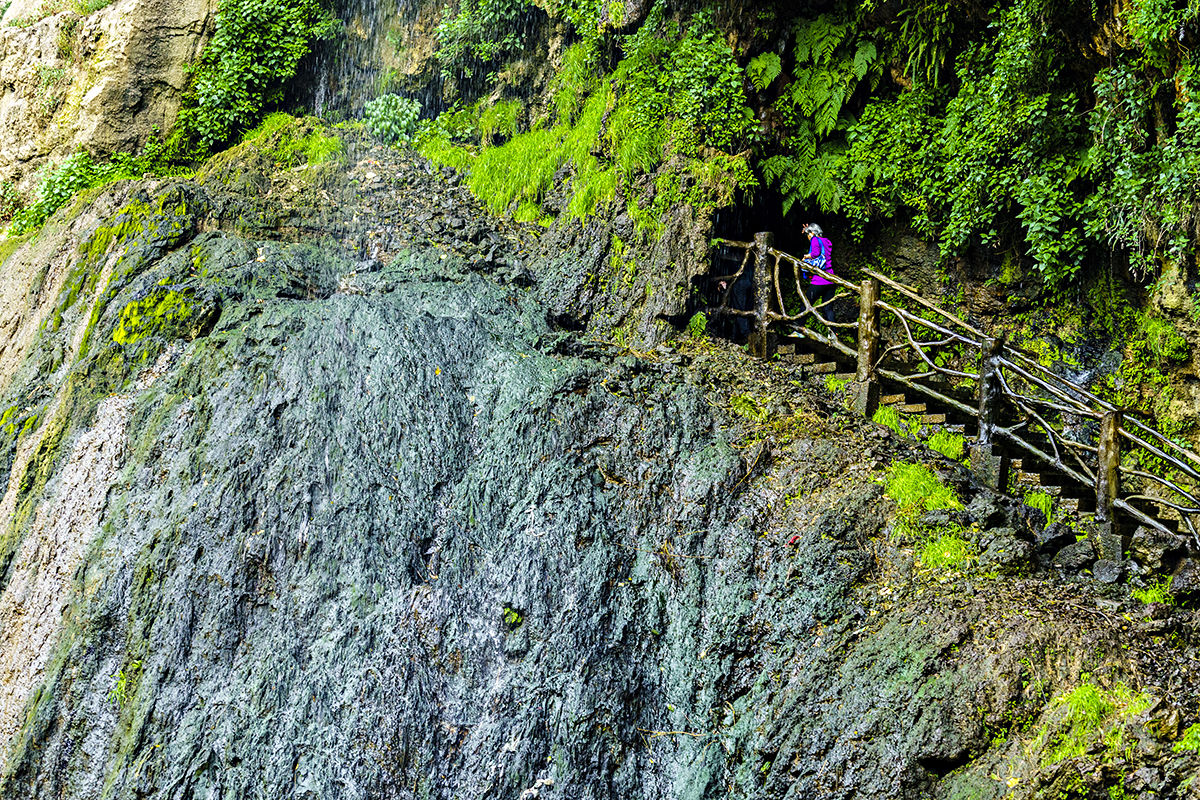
x=378 y=530
x=380 y=526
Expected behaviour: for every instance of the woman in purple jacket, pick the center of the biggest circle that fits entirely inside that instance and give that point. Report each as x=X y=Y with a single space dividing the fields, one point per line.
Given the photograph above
x=820 y=255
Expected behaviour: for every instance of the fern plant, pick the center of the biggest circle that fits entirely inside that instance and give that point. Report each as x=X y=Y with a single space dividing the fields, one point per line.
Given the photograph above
x=833 y=59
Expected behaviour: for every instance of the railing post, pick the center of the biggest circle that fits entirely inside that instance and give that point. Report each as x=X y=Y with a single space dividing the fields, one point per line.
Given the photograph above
x=760 y=340
x=988 y=460
x=1109 y=543
x=866 y=384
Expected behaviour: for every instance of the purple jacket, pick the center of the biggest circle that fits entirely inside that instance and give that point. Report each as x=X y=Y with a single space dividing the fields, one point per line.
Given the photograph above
x=820 y=255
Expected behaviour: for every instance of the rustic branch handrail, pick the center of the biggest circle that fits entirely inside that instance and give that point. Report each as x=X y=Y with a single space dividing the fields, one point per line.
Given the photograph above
x=1041 y=397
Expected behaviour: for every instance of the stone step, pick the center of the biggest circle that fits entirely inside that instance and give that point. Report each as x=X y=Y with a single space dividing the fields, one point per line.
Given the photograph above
x=891 y=400
x=826 y=368
x=805 y=358
x=846 y=376
x=786 y=349
x=933 y=419
x=1068 y=505
x=914 y=408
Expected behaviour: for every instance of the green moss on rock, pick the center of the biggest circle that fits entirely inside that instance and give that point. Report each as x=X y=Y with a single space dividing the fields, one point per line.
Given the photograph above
x=165 y=312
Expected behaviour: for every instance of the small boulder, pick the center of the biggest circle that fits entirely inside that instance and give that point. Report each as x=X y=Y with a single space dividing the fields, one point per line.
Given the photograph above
x=987 y=511
x=1075 y=557
x=1157 y=550
x=1106 y=571
x=1185 y=585
x=1054 y=537
x=1007 y=553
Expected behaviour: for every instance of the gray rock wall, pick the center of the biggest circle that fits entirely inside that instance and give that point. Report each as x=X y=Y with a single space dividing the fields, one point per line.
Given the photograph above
x=362 y=523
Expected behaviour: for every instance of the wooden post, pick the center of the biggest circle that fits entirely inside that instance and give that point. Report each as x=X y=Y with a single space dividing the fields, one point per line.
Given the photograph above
x=988 y=459
x=1109 y=542
x=760 y=340
x=866 y=384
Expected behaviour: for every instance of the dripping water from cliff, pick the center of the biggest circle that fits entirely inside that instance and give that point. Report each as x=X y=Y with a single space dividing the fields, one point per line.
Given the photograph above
x=390 y=46
x=381 y=49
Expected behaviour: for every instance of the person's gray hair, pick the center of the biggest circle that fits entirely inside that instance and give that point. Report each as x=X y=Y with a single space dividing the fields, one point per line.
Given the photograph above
x=814 y=229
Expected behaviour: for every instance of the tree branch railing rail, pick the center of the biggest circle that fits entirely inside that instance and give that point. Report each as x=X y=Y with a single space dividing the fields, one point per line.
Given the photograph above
x=1052 y=418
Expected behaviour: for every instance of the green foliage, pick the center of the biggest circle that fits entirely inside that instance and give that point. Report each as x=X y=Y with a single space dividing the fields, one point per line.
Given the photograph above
x=947 y=550
x=499 y=120
x=924 y=38
x=949 y=444
x=75 y=173
x=1042 y=502
x=441 y=140
x=518 y=174
x=746 y=406
x=897 y=423
x=1007 y=146
x=1157 y=592
x=763 y=70
x=392 y=119
x=255 y=49
x=79 y=171
x=577 y=78
x=512 y=618
x=697 y=325
x=1148 y=150
x=681 y=87
x=125 y=685
x=293 y=141
x=1190 y=740
x=1088 y=716
x=832 y=59
x=914 y=486
x=50 y=7
x=479 y=33
x=677 y=94
x=834 y=384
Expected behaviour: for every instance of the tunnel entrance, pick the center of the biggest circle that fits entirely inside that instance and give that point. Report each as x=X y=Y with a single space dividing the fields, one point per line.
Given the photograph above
x=761 y=211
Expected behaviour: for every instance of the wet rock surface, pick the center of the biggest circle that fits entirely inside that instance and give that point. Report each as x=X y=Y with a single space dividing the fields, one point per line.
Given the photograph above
x=382 y=528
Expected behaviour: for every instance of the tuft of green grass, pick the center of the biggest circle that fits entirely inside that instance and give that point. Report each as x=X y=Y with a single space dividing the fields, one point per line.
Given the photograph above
x=834 y=384
x=896 y=422
x=1089 y=715
x=915 y=487
x=271 y=124
x=746 y=406
x=1157 y=592
x=439 y=149
x=280 y=135
x=500 y=120
x=1042 y=502
x=949 y=444
x=1190 y=740
x=948 y=550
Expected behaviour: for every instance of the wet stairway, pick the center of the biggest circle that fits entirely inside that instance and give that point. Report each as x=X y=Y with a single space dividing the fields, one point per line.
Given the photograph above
x=1027 y=474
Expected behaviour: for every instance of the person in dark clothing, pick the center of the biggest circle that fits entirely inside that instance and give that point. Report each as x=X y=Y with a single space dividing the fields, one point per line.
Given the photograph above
x=820 y=255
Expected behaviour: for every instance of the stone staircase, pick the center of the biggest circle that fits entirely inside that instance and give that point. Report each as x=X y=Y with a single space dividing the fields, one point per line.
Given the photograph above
x=1026 y=473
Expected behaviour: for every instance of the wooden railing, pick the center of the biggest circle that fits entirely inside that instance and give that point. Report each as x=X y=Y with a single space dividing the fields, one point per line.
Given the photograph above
x=1018 y=402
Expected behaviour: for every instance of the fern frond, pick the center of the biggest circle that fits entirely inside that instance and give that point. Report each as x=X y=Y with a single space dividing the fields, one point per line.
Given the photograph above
x=764 y=69
x=864 y=57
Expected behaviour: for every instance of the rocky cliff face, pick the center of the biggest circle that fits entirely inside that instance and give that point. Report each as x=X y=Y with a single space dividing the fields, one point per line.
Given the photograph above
x=102 y=81
x=307 y=494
